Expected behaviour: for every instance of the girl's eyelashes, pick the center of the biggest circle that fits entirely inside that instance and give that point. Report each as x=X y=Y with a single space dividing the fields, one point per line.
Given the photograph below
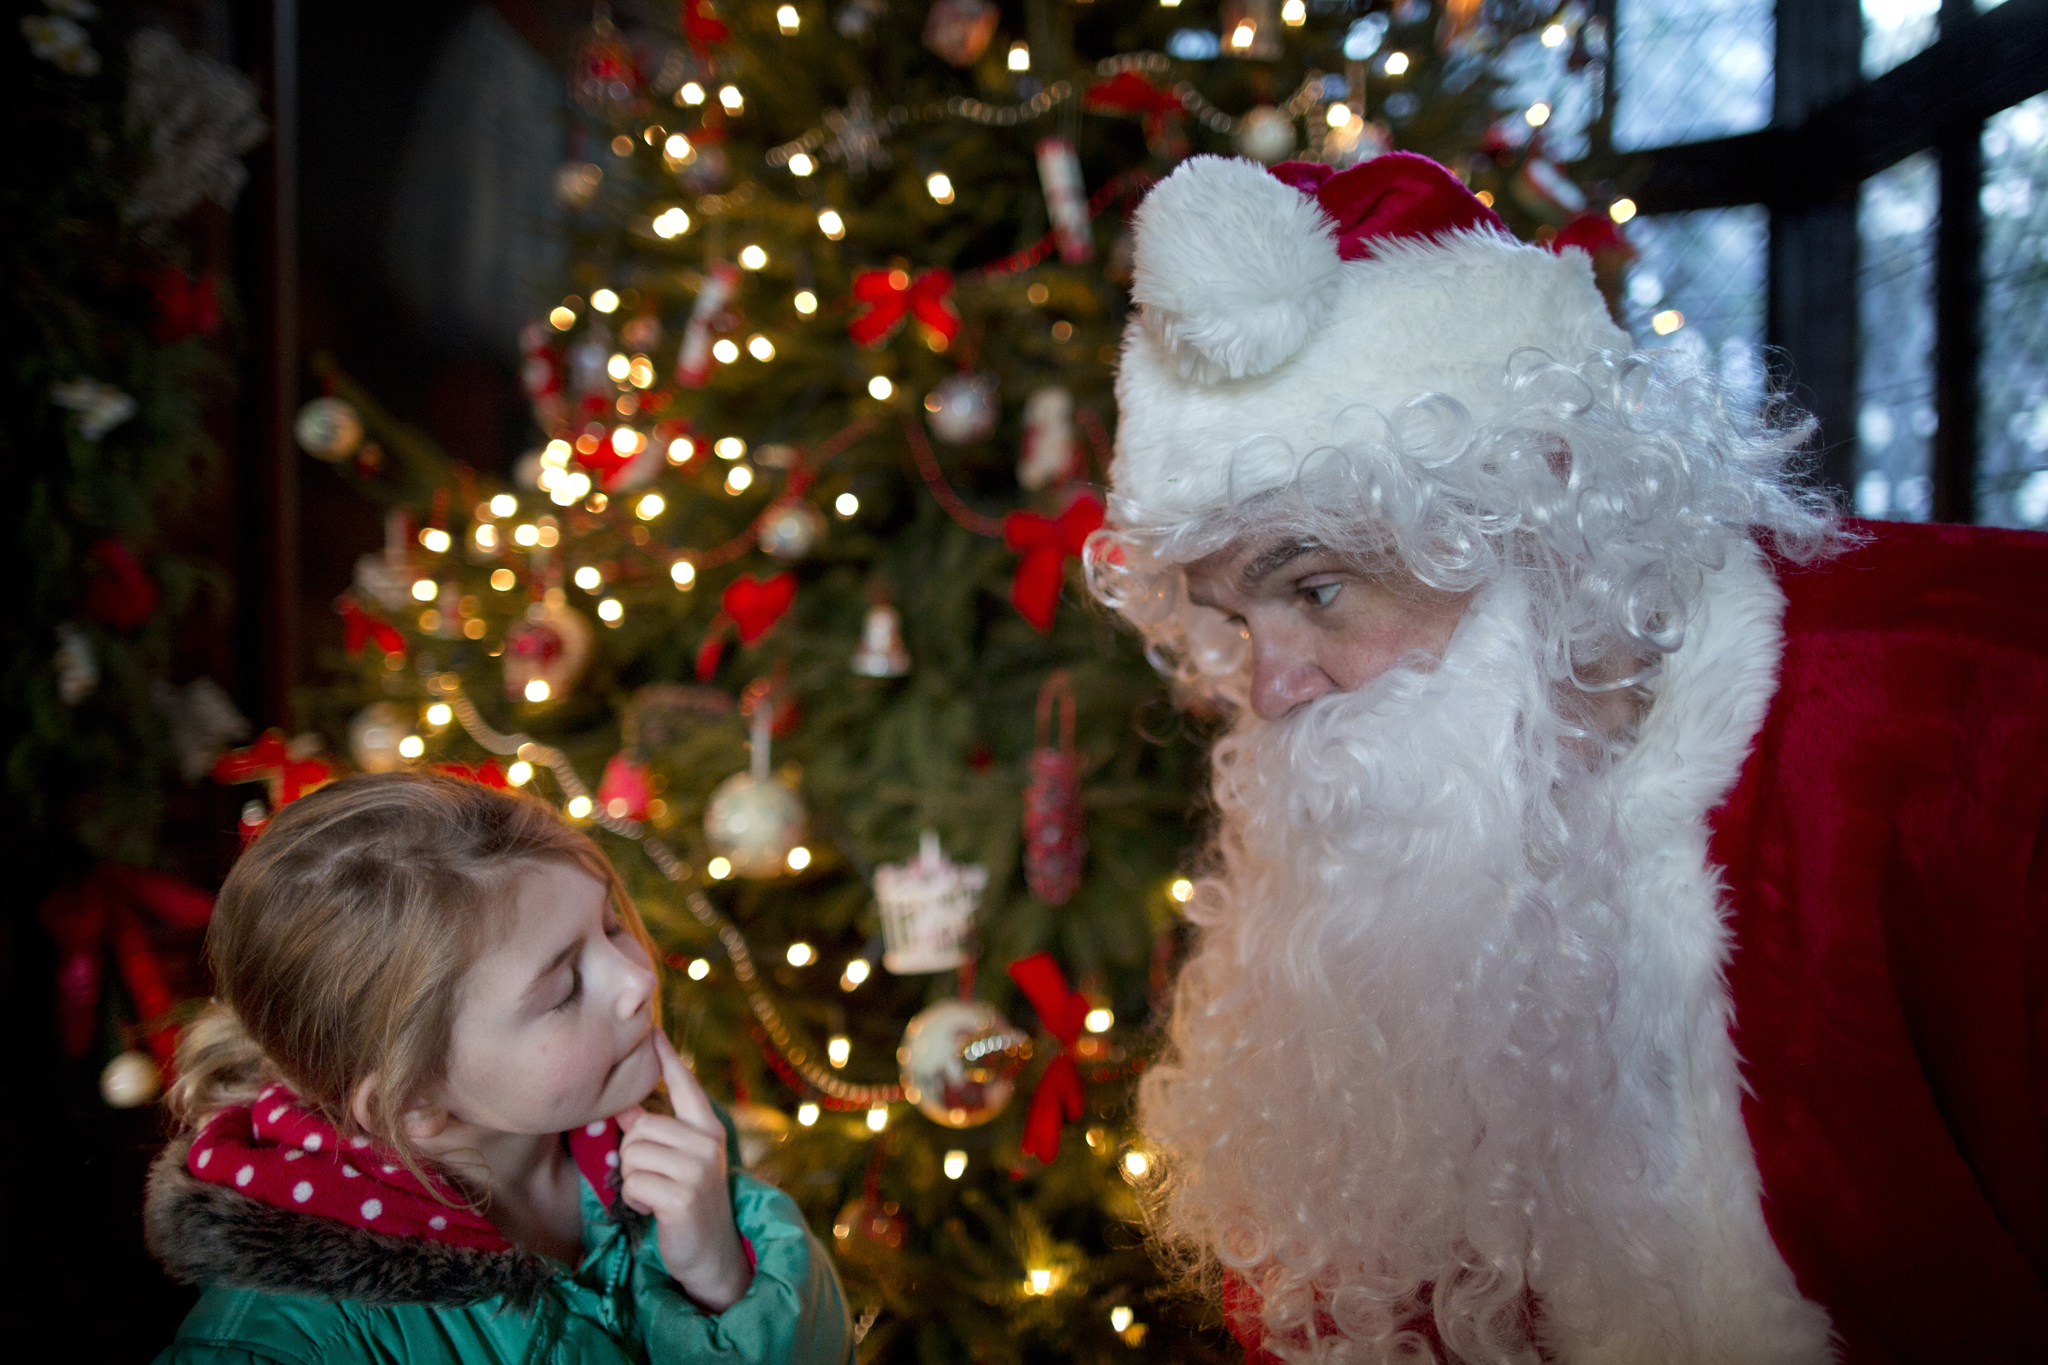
x=575 y=988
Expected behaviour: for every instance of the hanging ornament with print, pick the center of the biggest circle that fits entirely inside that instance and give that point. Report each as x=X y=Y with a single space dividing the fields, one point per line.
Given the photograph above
x=546 y=651
x=959 y=30
x=1066 y=199
x=789 y=529
x=375 y=735
x=962 y=408
x=1048 y=453
x=959 y=1061
x=1055 y=832
x=329 y=429
x=755 y=818
x=927 y=906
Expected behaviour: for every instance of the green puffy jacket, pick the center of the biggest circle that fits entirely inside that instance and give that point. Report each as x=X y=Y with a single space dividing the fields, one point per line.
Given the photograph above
x=286 y=1288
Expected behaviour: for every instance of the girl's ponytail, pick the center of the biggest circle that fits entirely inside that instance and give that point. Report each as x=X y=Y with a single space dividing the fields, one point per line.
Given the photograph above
x=219 y=1065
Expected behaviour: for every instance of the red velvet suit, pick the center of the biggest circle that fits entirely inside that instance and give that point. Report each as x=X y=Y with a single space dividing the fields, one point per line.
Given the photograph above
x=1888 y=881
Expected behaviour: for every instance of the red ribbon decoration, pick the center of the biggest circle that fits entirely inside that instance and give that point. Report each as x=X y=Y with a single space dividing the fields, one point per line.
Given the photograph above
x=109 y=909
x=485 y=774
x=1129 y=92
x=359 y=627
x=1046 y=543
x=184 y=306
x=269 y=760
x=1057 y=1101
x=890 y=294
x=702 y=27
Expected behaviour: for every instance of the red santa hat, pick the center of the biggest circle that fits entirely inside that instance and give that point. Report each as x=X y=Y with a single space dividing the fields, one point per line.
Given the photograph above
x=1284 y=312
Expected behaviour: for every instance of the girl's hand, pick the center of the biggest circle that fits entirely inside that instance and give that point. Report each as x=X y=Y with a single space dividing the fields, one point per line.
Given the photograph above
x=674 y=1169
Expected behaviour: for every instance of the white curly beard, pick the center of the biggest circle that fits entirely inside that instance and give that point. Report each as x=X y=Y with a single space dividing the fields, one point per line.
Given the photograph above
x=1432 y=1090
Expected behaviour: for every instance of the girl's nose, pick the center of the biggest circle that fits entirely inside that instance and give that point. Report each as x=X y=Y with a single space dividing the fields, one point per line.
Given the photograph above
x=637 y=987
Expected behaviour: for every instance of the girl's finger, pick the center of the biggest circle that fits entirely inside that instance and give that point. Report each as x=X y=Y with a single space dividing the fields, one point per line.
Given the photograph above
x=685 y=1096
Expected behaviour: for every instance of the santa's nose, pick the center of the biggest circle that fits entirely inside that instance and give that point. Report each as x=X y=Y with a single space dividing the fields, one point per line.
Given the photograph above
x=1283 y=679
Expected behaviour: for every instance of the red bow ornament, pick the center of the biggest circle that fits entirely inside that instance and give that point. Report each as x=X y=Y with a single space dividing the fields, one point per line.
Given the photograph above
x=360 y=628
x=1046 y=544
x=121 y=594
x=110 y=908
x=184 y=306
x=891 y=294
x=1129 y=92
x=1058 y=1100
x=751 y=606
x=702 y=27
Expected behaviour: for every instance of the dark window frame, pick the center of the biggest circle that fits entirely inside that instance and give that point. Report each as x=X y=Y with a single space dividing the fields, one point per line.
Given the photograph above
x=1830 y=131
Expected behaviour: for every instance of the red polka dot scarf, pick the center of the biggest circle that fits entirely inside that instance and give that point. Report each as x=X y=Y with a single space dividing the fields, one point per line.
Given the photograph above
x=280 y=1152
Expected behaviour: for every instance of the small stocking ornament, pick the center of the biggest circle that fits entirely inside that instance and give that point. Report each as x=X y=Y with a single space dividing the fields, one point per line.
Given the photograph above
x=1055 y=836
x=693 y=357
x=1066 y=199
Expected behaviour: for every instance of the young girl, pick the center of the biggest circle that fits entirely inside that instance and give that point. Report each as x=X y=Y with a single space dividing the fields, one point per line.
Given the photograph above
x=412 y=1122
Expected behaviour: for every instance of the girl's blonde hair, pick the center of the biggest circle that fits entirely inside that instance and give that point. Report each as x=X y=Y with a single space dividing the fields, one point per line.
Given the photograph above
x=340 y=938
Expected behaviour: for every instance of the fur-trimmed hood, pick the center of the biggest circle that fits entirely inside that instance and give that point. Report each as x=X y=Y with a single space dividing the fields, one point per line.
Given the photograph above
x=209 y=1234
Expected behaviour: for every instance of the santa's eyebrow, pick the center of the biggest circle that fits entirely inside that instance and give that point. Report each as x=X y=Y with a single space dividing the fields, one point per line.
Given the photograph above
x=1270 y=561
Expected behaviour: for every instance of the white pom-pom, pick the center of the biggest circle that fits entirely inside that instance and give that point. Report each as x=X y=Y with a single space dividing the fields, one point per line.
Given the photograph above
x=1234 y=268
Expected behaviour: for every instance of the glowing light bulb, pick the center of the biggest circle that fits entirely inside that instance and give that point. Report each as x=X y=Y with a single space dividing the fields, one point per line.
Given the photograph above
x=739 y=479
x=578 y=808
x=649 y=507
x=1098 y=1020
x=846 y=504
x=1621 y=210
x=831 y=224
x=855 y=973
x=525 y=534
x=1667 y=322
x=731 y=98
x=605 y=301
x=1119 y=1318
x=412 y=746
x=753 y=257
x=555 y=453
x=725 y=350
x=1294 y=13
x=611 y=611
x=1397 y=63
x=785 y=18
x=880 y=388
x=799 y=858
x=699 y=968
x=691 y=93
x=504 y=505
x=719 y=869
x=672 y=223
x=801 y=165
x=520 y=773
x=1041 y=1282
x=1338 y=115
x=504 y=580
x=729 y=448
x=681 y=449
x=806 y=302
x=807 y=1113
x=1136 y=1164
x=618 y=367
x=1241 y=36
x=440 y=713
x=561 y=319
x=684 y=573
x=837 y=1050
x=760 y=347
x=486 y=537
x=940 y=186
x=1537 y=114
x=538 y=690
x=878 y=1118
x=956 y=1164
x=1020 y=56
x=425 y=590
x=436 y=540
x=801 y=954
x=1181 y=889
x=1554 y=35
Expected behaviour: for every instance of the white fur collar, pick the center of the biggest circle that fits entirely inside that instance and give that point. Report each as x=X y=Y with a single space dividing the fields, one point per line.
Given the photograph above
x=1740 y=1302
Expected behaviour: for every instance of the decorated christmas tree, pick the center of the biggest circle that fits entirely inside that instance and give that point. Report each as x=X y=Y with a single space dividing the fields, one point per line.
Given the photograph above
x=784 y=600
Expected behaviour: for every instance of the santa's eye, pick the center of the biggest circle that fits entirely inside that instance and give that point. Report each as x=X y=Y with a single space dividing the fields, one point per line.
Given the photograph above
x=1322 y=594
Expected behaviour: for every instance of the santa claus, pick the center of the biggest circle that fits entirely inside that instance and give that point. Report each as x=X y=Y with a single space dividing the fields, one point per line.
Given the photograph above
x=1625 y=932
